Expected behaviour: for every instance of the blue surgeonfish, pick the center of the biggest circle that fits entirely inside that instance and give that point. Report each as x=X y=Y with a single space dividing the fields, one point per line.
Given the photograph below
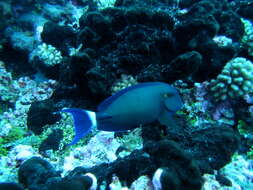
x=128 y=109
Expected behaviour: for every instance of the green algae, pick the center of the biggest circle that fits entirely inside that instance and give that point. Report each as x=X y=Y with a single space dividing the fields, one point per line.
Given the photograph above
x=244 y=128
x=14 y=134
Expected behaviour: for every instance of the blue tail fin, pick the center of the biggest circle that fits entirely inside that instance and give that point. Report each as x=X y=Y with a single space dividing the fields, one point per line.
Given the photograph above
x=84 y=121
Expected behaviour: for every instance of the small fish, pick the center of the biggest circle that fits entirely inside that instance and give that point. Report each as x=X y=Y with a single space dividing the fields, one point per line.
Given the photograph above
x=128 y=109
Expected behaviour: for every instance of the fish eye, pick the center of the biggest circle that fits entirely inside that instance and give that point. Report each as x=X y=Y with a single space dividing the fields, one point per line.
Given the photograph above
x=167 y=95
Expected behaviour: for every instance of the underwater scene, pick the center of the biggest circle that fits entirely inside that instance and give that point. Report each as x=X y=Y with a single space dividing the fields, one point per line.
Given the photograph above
x=126 y=94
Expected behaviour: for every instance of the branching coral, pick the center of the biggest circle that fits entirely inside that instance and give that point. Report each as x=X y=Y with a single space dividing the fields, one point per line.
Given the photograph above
x=235 y=80
x=124 y=82
x=247 y=39
x=48 y=54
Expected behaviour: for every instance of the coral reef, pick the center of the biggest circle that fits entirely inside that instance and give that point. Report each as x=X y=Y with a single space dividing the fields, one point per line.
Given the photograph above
x=59 y=54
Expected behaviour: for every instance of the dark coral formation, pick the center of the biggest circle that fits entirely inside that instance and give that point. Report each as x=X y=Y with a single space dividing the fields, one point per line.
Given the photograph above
x=52 y=142
x=74 y=183
x=212 y=148
x=35 y=172
x=40 y=114
x=10 y=186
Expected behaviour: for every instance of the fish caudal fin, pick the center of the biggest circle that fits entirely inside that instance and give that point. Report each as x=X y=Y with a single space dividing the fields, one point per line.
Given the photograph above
x=84 y=121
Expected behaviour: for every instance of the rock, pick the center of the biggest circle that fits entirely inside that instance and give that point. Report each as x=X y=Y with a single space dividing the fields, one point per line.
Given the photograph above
x=19 y=154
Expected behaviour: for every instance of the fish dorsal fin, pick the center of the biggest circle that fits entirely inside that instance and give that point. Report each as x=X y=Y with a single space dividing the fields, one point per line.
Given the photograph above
x=112 y=98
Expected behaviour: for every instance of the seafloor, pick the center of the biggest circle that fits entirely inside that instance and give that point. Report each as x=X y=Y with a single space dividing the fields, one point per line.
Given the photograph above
x=57 y=54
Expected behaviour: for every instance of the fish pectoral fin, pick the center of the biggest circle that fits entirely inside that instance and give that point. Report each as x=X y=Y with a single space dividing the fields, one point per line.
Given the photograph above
x=171 y=105
x=112 y=123
x=104 y=118
x=166 y=119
